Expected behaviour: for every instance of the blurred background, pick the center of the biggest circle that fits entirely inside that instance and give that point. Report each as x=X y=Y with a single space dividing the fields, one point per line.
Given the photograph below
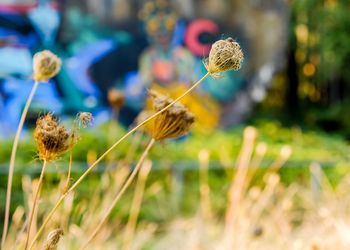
x=294 y=87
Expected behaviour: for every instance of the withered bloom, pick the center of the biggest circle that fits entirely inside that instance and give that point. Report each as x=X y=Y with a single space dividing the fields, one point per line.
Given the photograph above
x=116 y=98
x=84 y=119
x=46 y=65
x=224 y=55
x=53 y=238
x=52 y=138
x=173 y=122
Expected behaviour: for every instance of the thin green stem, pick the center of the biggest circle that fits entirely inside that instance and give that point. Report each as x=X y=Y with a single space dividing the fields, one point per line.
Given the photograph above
x=35 y=201
x=12 y=162
x=108 y=151
x=121 y=192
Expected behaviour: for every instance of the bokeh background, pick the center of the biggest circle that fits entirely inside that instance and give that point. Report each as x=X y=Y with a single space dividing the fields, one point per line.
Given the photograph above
x=293 y=87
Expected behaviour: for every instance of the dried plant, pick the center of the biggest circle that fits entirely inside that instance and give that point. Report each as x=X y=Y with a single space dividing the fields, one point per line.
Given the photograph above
x=211 y=71
x=224 y=55
x=45 y=66
x=174 y=122
x=116 y=98
x=52 y=139
x=84 y=119
x=53 y=238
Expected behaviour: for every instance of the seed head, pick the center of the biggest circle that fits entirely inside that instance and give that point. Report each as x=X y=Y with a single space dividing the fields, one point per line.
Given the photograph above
x=52 y=139
x=45 y=65
x=84 y=119
x=173 y=122
x=116 y=98
x=224 y=55
x=53 y=238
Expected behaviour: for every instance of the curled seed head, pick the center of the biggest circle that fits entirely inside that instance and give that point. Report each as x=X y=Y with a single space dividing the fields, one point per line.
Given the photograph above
x=84 y=119
x=173 y=122
x=116 y=98
x=52 y=139
x=224 y=55
x=46 y=65
x=53 y=238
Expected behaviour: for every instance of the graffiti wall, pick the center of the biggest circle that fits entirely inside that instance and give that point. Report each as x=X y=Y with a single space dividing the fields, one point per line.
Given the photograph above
x=131 y=46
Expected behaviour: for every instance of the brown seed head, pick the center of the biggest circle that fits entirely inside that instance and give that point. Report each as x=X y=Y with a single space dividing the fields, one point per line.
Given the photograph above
x=45 y=65
x=53 y=238
x=84 y=119
x=116 y=98
x=52 y=138
x=224 y=55
x=174 y=122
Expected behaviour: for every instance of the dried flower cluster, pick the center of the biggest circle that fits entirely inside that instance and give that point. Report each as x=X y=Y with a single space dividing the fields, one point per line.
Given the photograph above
x=52 y=138
x=53 y=238
x=116 y=98
x=45 y=66
x=173 y=122
x=224 y=55
x=84 y=119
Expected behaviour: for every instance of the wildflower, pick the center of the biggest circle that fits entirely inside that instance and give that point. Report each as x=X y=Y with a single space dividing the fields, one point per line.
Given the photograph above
x=116 y=98
x=173 y=122
x=46 y=65
x=53 y=238
x=224 y=55
x=52 y=138
x=84 y=119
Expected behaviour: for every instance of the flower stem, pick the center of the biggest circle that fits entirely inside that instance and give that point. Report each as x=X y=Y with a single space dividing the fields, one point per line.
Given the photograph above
x=109 y=150
x=70 y=157
x=121 y=192
x=35 y=201
x=12 y=162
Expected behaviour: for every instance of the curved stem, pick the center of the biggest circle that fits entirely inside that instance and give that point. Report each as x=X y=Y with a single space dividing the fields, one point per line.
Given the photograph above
x=121 y=192
x=12 y=162
x=35 y=201
x=108 y=151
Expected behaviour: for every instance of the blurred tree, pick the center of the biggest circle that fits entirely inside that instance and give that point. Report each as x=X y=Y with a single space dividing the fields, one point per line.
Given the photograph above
x=322 y=30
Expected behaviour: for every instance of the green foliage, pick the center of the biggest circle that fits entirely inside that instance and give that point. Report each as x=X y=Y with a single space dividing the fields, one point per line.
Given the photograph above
x=328 y=25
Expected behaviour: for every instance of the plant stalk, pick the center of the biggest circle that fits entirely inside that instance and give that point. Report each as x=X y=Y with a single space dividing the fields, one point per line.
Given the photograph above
x=136 y=205
x=12 y=162
x=35 y=201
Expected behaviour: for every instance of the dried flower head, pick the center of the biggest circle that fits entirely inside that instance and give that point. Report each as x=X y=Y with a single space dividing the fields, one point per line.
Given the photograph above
x=116 y=98
x=173 y=122
x=224 y=55
x=53 y=238
x=52 y=138
x=84 y=119
x=45 y=65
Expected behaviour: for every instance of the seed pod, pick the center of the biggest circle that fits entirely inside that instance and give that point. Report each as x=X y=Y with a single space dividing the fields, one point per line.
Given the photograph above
x=52 y=138
x=173 y=122
x=46 y=65
x=116 y=98
x=84 y=119
x=224 y=55
x=53 y=238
